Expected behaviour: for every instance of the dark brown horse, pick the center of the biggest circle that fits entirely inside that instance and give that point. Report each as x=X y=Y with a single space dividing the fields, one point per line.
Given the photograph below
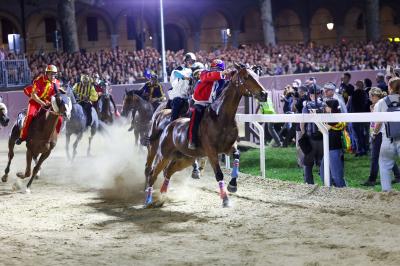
x=42 y=136
x=142 y=112
x=168 y=149
x=105 y=108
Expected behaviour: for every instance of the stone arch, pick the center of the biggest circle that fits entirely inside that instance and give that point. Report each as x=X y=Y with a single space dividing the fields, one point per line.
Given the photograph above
x=15 y=23
x=354 y=25
x=212 y=23
x=288 y=27
x=388 y=22
x=121 y=25
x=180 y=24
x=319 y=31
x=36 y=30
x=174 y=37
x=105 y=28
x=250 y=27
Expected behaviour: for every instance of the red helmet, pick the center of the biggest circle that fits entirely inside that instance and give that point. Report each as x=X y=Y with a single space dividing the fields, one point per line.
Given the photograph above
x=217 y=64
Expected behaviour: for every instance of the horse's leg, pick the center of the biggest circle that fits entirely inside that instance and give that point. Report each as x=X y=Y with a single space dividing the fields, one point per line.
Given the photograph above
x=151 y=154
x=29 y=157
x=196 y=170
x=36 y=161
x=93 y=131
x=67 y=140
x=203 y=162
x=136 y=132
x=232 y=186
x=173 y=167
x=159 y=164
x=75 y=145
x=11 y=144
x=37 y=168
x=219 y=176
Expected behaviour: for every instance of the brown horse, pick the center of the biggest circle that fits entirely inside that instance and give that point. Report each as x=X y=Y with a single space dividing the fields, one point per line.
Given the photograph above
x=42 y=136
x=217 y=133
x=141 y=122
x=105 y=108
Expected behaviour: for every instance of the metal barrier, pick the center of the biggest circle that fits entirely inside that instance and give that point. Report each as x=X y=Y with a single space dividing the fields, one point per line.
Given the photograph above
x=14 y=73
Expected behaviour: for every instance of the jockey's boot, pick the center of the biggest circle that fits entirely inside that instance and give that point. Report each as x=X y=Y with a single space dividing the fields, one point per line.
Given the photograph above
x=18 y=141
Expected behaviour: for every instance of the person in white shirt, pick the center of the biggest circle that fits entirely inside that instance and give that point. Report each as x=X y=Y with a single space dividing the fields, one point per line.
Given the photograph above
x=390 y=148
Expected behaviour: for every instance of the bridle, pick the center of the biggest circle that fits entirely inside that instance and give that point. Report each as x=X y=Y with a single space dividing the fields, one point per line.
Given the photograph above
x=240 y=81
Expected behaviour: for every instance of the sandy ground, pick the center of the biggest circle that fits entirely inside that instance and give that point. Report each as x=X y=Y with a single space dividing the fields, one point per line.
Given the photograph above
x=88 y=213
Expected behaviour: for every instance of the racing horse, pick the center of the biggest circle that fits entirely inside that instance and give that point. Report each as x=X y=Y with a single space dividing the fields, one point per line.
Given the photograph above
x=142 y=113
x=42 y=136
x=105 y=108
x=218 y=132
x=141 y=122
x=77 y=125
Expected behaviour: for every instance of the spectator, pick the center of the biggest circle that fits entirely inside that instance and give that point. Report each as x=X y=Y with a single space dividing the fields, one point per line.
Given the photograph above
x=358 y=104
x=346 y=89
x=268 y=108
x=380 y=80
x=336 y=161
x=299 y=101
x=312 y=132
x=375 y=95
x=330 y=92
x=390 y=148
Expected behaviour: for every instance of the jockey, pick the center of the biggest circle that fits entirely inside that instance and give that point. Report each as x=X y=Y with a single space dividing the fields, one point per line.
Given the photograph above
x=211 y=82
x=43 y=88
x=180 y=80
x=86 y=96
x=152 y=90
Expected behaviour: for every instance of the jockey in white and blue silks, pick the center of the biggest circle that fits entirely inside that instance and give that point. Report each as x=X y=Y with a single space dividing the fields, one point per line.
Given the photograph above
x=180 y=80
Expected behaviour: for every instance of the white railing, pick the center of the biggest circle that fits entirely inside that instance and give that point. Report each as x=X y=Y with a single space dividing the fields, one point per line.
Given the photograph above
x=318 y=119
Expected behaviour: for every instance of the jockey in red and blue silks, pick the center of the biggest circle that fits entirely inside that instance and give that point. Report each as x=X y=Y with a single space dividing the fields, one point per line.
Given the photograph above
x=210 y=86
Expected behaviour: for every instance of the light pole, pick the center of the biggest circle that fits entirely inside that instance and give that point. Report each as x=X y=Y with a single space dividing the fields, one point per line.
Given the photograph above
x=164 y=65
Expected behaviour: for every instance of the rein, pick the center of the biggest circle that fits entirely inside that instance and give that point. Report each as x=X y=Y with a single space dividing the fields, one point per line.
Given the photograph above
x=239 y=82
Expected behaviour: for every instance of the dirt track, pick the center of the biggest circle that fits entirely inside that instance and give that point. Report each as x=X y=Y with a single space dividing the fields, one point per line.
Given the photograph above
x=87 y=214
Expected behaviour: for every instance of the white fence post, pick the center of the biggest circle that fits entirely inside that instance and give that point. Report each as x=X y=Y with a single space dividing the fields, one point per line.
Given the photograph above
x=262 y=147
x=327 y=169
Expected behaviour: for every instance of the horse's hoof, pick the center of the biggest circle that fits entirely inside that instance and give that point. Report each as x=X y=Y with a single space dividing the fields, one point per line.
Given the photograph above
x=196 y=175
x=154 y=204
x=21 y=175
x=28 y=190
x=231 y=188
x=4 y=178
x=225 y=202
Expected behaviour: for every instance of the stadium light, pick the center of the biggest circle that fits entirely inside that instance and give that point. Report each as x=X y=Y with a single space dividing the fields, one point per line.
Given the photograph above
x=330 y=25
x=164 y=65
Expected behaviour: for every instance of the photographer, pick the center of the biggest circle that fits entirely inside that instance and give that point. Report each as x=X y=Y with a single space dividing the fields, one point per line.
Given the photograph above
x=286 y=133
x=311 y=134
x=300 y=97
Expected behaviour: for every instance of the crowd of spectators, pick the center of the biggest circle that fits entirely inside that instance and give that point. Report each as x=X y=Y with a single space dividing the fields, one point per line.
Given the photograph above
x=363 y=138
x=125 y=67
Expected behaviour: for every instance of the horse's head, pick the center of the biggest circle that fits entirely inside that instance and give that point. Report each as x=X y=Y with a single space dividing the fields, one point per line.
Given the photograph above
x=62 y=105
x=3 y=113
x=131 y=99
x=248 y=83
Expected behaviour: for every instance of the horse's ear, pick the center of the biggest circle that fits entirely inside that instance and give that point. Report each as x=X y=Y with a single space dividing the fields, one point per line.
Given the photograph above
x=236 y=65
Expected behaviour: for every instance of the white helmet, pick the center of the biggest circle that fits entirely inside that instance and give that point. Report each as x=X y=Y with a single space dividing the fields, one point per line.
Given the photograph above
x=190 y=56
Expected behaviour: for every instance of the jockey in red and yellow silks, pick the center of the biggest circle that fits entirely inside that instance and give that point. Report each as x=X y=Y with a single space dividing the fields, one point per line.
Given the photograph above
x=40 y=96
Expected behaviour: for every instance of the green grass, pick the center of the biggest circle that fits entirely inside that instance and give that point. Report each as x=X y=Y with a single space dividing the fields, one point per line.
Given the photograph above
x=281 y=163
